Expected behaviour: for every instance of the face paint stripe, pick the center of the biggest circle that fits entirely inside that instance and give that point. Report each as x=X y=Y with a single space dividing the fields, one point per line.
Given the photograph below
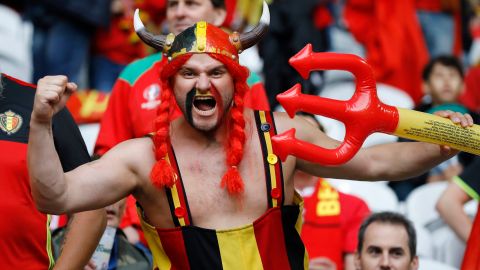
x=189 y=106
x=218 y=98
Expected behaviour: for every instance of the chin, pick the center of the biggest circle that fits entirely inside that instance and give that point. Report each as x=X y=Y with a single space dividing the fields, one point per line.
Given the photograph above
x=207 y=123
x=205 y=127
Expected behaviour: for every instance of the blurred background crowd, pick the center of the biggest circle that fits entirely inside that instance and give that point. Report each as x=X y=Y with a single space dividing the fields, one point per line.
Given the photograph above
x=425 y=54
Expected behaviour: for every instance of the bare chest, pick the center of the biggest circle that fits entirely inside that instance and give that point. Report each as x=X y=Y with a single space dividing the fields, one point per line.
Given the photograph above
x=201 y=171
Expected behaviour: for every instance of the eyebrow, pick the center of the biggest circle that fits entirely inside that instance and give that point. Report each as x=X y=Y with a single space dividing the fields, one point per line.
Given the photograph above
x=373 y=248
x=397 y=249
x=393 y=249
x=221 y=67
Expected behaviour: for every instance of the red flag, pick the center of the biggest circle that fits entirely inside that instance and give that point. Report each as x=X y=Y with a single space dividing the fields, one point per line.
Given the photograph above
x=471 y=260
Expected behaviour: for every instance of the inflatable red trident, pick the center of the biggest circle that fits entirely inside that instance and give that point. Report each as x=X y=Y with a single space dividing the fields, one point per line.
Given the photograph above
x=362 y=115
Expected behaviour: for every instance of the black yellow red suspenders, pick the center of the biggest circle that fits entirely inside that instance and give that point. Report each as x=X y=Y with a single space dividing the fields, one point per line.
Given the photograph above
x=177 y=198
x=273 y=166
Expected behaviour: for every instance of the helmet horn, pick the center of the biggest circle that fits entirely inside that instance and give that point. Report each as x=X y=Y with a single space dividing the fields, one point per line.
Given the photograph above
x=156 y=41
x=252 y=37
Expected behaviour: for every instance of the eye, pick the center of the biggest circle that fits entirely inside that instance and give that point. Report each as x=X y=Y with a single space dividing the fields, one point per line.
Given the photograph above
x=187 y=73
x=218 y=72
x=191 y=3
x=373 y=251
x=397 y=253
x=172 y=4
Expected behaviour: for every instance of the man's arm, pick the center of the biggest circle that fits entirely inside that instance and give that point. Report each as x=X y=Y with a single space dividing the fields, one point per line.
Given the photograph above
x=90 y=186
x=450 y=207
x=461 y=190
x=83 y=234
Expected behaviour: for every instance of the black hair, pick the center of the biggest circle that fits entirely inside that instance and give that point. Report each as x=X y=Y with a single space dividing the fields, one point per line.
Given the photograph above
x=392 y=219
x=445 y=60
x=1 y=84
x=218 y=3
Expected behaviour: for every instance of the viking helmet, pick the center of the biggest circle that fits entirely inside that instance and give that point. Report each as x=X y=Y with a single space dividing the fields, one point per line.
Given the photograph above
x=203 y=37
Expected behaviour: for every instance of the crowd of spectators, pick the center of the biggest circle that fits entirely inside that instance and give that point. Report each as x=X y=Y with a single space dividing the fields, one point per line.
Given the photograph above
x=429 y=49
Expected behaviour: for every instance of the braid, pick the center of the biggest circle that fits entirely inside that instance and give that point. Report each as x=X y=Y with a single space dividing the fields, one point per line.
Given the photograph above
x=236 y=137
x=162 y=173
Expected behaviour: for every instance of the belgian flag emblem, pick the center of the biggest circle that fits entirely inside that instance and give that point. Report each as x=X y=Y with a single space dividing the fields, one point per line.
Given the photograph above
x=10 y=122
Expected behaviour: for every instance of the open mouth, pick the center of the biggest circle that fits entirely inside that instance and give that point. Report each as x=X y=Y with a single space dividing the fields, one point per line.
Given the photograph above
x=204 y=105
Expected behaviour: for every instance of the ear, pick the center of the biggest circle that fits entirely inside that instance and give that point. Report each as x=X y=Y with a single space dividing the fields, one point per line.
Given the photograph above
x=425 y=88
x=414 y=263
x=220 y=15
x=356 y=261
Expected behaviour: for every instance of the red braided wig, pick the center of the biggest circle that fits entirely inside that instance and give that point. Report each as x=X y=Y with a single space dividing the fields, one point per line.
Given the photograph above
x=162 y=172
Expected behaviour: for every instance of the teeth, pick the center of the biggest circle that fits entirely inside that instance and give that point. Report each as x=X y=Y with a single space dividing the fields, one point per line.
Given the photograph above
x=204 y=113
x=203 y=97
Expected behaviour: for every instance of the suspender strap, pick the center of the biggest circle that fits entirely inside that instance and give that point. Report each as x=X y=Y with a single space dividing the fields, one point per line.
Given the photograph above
x=176 y=196
x=273 y=166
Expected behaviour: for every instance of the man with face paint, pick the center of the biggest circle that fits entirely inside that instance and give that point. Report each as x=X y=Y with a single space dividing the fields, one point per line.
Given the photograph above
x=211 y=194
x=135 y=96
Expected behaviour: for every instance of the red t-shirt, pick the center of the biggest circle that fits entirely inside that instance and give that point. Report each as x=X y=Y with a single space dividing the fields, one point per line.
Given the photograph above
x=429 y=5
x=471 y=94
x=331 y=223
x=393 y=41
x=25 y=235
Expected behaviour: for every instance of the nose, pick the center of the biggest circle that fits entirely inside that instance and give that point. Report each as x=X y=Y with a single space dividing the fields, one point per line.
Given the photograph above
x=385 y=262
x=203 y=83
x=180 y=9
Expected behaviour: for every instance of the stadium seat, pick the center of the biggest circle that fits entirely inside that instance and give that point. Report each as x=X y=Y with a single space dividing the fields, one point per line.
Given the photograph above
x=441 y=243
x=15 y=48
x=420 y=204
x=377 y=195
x=89 y=134
x=424 y=242
x=428 y=264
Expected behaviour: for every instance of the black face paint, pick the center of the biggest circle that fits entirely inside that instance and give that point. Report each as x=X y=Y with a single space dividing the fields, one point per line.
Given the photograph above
x=189 y=105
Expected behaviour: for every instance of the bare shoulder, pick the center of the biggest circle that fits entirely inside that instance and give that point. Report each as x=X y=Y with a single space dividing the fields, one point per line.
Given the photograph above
x=134 y=153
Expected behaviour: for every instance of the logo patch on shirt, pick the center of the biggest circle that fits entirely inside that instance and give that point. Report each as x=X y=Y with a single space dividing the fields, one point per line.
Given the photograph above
x=151 y=95
x=10 y=122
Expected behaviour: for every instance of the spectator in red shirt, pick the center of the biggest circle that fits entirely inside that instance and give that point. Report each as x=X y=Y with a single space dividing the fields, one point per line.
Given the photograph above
x=24 y=229
x=330 y=217
x=115 y=46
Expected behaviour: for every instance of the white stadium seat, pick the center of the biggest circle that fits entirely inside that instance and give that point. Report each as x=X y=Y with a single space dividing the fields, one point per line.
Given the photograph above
x=377 y=195
x=435 y=239
x=89 y=134
x=427 y=264
x=15 y=48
